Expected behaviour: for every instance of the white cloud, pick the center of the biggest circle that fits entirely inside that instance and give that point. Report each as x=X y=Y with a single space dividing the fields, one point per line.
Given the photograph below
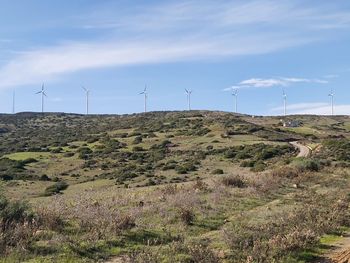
x=326 y=110
x=48 y=63
x=262 y=83
x=232 y=88
x=317 y=108
x=180 y=31
x=276 y=82
x=302 y=106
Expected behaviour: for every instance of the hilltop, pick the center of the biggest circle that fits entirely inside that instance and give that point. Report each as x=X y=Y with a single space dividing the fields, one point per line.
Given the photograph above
x=196 y=186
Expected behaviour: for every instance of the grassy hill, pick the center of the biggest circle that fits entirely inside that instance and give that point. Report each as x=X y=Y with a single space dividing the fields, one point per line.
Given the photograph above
x=193 y=186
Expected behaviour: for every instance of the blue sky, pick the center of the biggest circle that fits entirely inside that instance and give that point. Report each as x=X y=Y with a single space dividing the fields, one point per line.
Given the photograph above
x=116 y=47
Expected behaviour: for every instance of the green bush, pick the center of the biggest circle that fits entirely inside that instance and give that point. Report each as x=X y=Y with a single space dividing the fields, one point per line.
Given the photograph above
x=137 y=140
x=259 y=166
x=17 y=226
x=338 y=149
x=217 y=171
x=84 y=152
x=56 y=188
x=303 y=164
x=44 y=177
x=57 y=150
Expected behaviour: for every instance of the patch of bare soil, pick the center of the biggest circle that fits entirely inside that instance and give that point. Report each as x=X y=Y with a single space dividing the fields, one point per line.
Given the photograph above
x=340 y=252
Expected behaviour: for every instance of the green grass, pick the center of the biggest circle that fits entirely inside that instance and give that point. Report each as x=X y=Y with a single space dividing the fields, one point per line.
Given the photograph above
x=20 y=156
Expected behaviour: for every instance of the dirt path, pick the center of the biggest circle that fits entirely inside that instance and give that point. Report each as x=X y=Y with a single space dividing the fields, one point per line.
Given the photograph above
x=304 y=151
x=340 y=252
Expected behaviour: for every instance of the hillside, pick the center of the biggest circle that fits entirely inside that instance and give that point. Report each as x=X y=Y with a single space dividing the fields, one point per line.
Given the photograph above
x=193 y=186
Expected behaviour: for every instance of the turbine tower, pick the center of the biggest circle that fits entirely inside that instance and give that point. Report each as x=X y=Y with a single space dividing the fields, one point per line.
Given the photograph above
x=284 y=102
x=332 y=101
x=188 y=92
x=42 y=92
x=235 y=95
x=87 y=93
x=144 y=92
x=13 y=101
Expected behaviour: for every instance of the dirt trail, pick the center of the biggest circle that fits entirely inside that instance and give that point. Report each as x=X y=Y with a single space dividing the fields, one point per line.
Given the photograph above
x=304 y=151
x=340 y=252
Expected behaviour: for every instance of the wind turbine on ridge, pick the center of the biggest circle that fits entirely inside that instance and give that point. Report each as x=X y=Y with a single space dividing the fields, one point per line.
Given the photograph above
x=235 y=95
x=13 y=101
x=284 y=102
x=144 y=92
x=188 y=92
x=87 y=93
x=42 y=92
x=332 y=101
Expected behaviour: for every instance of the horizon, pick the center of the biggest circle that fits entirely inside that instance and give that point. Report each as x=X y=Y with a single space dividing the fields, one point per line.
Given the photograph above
x=115 y=48
x=174 y=111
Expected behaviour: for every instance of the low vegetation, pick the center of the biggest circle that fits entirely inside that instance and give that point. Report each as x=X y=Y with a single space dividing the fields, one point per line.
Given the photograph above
x=170 y=187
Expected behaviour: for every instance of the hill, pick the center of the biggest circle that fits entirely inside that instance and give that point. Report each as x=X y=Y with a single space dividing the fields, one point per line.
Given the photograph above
x=195 y=186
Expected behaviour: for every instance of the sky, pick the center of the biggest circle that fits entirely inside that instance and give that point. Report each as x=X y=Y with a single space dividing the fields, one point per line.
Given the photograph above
x=116 y=47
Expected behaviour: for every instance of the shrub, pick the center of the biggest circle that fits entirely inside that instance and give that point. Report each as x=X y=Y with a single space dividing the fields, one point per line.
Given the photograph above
x=200 y=185
x=303 y=164
x=186 y=215
x=247 y=163
x=68 y=154
x=286 y=172
x=181 y=169
x=56 y=188
x=338 y=149
x=57 y=150
x=169 y=189
x=137 y=149
x=171 y=164
x=44 y=177
x=84 y=152
x=137 y=140
x=201 y=253
x=92 y=139
x=217 y=171
x=28 y=161
x=259 y=166
x=234 y=181
x=230 y=153
x=17 y=226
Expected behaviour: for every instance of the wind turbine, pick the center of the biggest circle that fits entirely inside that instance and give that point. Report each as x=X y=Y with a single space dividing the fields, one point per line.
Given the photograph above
x=87 y=93
x=42 y=92
x=13 y=101
x=235 y=94
x=144 y=92
x=188 y=92
x=284 y=102
x=332 y=101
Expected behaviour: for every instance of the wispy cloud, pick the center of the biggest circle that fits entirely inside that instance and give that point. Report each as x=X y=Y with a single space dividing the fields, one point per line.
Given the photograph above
x=274 y=82
x=317 y=108
x=180 y=31
x=301 y=106
x=48 y=63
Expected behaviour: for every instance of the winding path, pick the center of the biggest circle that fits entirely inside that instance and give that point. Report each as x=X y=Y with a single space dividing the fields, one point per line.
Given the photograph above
x=304 y=151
